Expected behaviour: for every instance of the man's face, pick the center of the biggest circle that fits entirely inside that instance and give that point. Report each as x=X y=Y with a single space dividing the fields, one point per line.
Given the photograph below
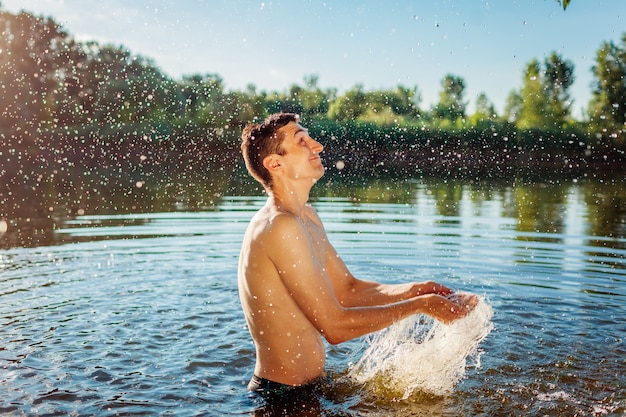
x=301 y=153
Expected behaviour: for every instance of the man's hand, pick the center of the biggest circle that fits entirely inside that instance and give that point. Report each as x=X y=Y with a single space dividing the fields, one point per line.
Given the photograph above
x=449 y=308
x=432 y=287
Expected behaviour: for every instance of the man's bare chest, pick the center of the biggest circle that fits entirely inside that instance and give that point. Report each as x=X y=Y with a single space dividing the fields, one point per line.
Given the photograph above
x=317 y=239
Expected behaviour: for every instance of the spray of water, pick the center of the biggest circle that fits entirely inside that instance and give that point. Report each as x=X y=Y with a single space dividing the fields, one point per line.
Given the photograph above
x=419 y=354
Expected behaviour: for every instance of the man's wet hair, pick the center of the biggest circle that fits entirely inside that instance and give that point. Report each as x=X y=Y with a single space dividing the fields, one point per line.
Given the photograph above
x=259 y=140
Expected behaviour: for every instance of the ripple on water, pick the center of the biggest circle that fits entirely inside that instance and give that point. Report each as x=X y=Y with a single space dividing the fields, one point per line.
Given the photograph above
x=140 y=315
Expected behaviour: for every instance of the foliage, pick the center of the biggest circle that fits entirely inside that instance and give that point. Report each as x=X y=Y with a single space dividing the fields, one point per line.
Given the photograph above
x=73 y=103
x=349 y=106
x=485 y=111
x=543 y=101
x=376 y=106
x=34 y=63
x=451 y=104
x=607 y=109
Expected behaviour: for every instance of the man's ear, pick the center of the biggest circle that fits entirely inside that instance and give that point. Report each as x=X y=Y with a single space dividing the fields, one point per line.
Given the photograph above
x=271 y=163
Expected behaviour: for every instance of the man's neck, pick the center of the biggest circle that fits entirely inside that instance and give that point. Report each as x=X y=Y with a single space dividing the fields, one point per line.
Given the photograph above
x=291 y=200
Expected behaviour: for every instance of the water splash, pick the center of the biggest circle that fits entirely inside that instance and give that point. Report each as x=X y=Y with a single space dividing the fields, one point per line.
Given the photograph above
x=420 y=354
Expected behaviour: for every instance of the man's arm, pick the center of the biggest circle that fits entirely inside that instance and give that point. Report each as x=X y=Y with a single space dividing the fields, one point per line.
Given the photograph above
x=307 y=282
x=352 y=292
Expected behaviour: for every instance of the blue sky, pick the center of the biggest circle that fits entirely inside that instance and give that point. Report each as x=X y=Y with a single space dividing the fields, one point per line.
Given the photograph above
x=380 y=44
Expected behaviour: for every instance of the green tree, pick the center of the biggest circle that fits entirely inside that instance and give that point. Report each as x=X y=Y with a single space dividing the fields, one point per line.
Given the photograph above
x=389 y=106
x=485 y=110
x=121 y=87
x=201 y=97
x=349 y=106
x=451 y=104
x=544 y=101
x=308 y=100
x=247 y=105
x=33 y=67
x=409 y=100
x=512 y=107
x=314 y=101
x=607 y=108
x=402 y=101
x=70 y=99
x=558 y=78
x=533 y=109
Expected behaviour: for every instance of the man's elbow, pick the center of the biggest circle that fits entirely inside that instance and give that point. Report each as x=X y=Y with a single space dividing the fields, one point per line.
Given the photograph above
x=338 y=328
x=336 y=335
x=334 y=339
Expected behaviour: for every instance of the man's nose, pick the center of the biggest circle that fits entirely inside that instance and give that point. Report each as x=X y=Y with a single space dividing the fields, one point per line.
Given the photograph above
x=315 y=146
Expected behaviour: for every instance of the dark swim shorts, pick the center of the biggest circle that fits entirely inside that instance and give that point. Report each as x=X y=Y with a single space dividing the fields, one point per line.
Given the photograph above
x=270 y=389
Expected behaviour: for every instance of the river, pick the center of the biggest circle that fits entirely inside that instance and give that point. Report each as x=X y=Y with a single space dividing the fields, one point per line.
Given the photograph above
x=128 y=311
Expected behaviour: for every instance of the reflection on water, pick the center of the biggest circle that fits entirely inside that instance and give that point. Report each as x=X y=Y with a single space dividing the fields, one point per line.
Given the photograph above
x=32 y=214
x=541 y=211
x=125 y=310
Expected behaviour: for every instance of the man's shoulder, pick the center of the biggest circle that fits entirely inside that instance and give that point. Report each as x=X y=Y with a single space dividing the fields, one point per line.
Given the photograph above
x=275 y=224
x=284 y=223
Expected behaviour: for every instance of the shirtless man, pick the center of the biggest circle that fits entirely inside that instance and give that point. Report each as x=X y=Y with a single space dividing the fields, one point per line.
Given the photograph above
x=294 y=287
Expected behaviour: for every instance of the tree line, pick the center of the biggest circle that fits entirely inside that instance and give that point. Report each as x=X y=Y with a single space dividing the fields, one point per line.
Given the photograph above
x=67 y=103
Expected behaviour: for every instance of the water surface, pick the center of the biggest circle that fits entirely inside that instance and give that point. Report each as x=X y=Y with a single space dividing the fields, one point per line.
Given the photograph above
x=137 y=312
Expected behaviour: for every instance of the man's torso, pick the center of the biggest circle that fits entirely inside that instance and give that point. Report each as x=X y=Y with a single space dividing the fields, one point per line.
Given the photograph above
x=289 y=348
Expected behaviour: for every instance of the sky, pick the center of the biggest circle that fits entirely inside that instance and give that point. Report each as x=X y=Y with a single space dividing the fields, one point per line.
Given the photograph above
x=273 y=44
